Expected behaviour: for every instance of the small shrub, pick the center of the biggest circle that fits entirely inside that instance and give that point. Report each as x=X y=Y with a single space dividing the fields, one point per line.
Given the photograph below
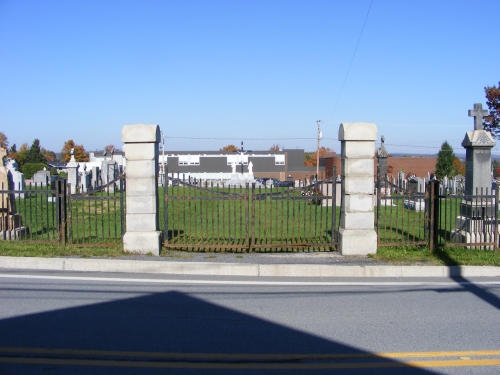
x=313 y=192
x=29 y=169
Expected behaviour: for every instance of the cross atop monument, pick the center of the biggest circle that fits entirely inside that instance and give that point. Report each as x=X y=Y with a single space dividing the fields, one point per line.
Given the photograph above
x=478 y=112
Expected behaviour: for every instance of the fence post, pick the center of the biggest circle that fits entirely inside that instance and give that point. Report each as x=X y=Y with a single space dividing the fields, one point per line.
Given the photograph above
x=142 y=225
x=433 y=213
x=334 y=205
x=61 y=210
x=495 y=225
x=357 y=234
x=165 y=203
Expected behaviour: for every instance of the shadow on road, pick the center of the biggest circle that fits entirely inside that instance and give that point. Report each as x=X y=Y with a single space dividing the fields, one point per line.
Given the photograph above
x=175 y=333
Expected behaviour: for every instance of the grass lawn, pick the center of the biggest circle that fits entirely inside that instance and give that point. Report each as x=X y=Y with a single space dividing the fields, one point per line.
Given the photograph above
x=445 y=256
x=199 y=218
x=405 y=255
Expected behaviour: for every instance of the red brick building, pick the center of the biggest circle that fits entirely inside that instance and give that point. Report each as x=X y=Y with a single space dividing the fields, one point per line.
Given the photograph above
x=418 y=165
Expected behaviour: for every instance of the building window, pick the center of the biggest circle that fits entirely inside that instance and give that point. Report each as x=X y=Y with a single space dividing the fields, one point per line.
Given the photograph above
x=189 y=159
x=237 y=159
x=279 y=159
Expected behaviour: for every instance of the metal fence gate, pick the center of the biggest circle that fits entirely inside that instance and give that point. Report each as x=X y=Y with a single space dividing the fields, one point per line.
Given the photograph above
x=49 y=213
x=436 y=218
x=96 y=216
x=401 y=216
x=216 y=216
x=462 y=220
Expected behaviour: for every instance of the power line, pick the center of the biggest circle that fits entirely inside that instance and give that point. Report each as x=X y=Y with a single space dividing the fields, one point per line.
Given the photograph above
x=352 y=60
x=249 y=139
x=298 y=138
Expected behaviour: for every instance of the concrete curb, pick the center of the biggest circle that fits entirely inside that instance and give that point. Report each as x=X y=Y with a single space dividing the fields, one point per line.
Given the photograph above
x=242 y=269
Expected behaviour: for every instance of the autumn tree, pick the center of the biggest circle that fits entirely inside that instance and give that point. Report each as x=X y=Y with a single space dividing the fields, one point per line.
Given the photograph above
x=310 y=158
x=12 y=152
x=458 y=167
x=4 y=142
x=491 y=122
x=275 y=147
x=445 y=158
x=230 y=148
x=21 y=155
x=110 y=148
x=49 y=155
x=80 y=153
x=496 y=168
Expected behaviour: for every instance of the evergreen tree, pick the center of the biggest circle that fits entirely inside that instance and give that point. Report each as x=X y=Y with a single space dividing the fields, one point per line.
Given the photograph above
x=444 y=164
x=35 y=153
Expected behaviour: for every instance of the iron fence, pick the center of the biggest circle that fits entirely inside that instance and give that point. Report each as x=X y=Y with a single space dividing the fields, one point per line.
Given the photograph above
x=431 y=216
x=29 y=213
x=97 y=216
x=402 y=215
x=216 y=216
x=466 y=220
x=49 y=213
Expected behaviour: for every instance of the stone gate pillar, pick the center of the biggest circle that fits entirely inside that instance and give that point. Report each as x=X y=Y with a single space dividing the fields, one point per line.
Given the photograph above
x=141 y=152
x=357 y=234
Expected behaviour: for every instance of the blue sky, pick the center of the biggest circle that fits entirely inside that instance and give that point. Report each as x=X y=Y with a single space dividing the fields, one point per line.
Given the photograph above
x=214 y=72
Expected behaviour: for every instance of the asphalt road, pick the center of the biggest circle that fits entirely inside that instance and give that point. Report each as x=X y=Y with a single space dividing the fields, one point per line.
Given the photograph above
x=81 y=323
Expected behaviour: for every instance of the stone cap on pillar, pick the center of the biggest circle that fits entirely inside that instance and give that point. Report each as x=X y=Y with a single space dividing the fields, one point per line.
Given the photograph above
x=357 y=131
x=478 y=138
x=140 y=133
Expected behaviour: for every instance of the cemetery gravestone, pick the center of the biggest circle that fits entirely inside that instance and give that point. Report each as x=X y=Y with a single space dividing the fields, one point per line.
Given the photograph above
x=18 y=181
x=475 y=223
x=416 y=189
x=109 y=173
x=383 y=185
x=10 y=222
x=73 y=176
x=96 y=177
x=41 y=178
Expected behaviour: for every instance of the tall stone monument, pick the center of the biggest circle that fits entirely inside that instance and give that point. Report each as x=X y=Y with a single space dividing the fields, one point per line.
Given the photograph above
x=19 y=183
x=357 y=234
x=10 y=222
x=73 y=176
x=475 y=224
x=109 y=171
x=143 y=234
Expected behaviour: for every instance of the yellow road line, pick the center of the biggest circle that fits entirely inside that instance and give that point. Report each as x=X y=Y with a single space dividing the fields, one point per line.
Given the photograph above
x=263 y=356
x=250 y=366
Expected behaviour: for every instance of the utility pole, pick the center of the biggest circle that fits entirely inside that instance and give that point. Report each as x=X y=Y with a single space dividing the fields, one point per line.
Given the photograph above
x=317 y=151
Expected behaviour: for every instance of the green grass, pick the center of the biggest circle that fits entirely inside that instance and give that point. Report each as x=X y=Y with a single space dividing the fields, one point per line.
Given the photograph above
x=406 y=227
x=404 y=255
x=446 y=256
x=90 y=221
x=37 y=249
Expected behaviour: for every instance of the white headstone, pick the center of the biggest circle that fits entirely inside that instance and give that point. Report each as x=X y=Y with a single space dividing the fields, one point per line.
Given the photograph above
x=17 y=177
